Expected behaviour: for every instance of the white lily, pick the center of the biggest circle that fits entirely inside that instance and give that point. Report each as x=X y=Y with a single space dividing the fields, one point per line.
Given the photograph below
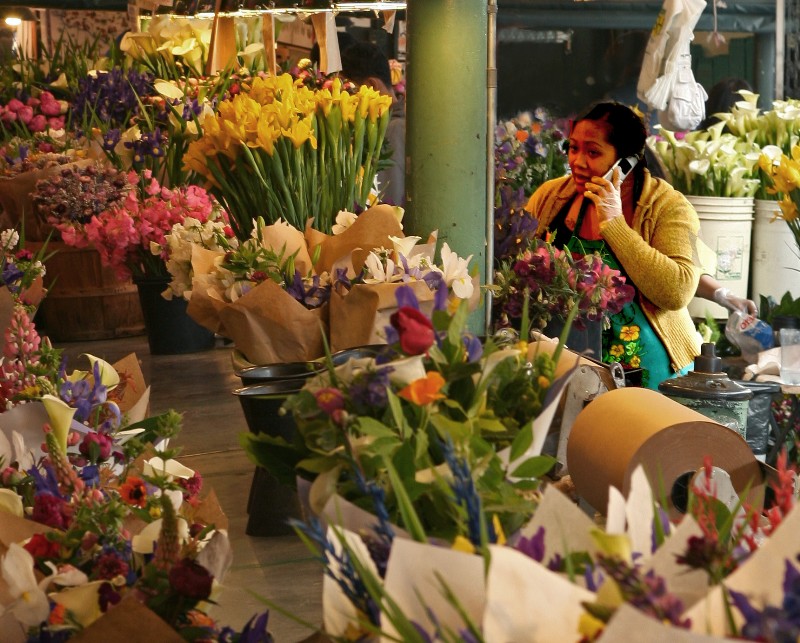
x=29 y=603
x=455 y=271
x=60 y=414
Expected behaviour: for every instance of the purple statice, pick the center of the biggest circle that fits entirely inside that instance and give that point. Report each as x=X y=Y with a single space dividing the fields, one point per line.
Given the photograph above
x=112 y=97
x=368 y=391
x=467 y=497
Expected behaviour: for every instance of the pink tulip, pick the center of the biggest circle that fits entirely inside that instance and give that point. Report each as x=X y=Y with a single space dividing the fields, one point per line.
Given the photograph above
x=15 y=105
x=38 y=123
x=25 y=114
x=55 y=122
x=50 y=108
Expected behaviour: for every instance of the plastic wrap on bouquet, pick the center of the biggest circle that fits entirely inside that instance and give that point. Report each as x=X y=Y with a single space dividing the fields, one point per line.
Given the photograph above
x=359 y=316
x=268 y=325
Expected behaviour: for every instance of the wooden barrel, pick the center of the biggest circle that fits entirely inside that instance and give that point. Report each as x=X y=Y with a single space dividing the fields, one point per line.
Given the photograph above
x=85 y=300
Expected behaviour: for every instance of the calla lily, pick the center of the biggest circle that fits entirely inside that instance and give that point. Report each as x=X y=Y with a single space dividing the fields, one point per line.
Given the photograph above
x=23 y=454
x=60 y=414
x=29 y=603
x=11 y=503
x=168 y=90
x=252 y=53
x=82 y=602
x=108 y=375
x=406 y=370
x=169 y=468
x=6 y=453
x=404 y=245
x=144 y=542
x=66 y=576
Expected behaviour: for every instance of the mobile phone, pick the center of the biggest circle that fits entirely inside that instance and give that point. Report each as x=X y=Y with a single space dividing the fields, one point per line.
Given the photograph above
x=625 y=165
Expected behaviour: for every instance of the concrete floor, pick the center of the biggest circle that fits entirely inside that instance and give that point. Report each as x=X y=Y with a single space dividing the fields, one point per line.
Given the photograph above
x=199 y=385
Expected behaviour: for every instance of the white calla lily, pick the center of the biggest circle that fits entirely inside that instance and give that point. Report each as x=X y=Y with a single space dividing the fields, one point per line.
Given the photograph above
x=144 y=542
x=60 y=414
x=168 y=468
x=11 y=503
x=168 y=90
x=404 y=245
x=82 y=602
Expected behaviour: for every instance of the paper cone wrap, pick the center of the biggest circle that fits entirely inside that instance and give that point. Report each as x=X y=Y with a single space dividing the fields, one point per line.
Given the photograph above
x=371 y=229
x=623 y=428
x=129 y=621
x=269 y=326
x=16 y=201
x=359 y=316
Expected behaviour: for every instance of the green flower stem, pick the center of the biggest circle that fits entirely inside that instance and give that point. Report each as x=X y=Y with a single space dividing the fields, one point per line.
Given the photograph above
x=562 y=340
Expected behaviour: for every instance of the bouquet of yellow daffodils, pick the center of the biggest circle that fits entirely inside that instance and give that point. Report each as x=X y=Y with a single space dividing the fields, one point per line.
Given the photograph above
x=280 y=150
x=784 y=178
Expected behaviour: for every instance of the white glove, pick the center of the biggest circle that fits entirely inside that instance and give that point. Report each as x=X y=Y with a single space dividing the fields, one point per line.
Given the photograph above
x=727 y=299
x=606 y=196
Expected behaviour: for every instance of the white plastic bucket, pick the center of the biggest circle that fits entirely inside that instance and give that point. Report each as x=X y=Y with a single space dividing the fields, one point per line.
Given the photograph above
x=775 y=261
x=726 y=226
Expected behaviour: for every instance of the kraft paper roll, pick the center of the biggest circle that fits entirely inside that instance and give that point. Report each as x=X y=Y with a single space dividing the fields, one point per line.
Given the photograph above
x=626 y=427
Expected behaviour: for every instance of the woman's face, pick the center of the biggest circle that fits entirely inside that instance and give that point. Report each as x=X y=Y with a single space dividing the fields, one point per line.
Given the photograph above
x=590 y=153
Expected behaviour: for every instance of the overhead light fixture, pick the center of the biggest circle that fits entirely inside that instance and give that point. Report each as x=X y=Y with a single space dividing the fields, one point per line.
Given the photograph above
x=13 y=16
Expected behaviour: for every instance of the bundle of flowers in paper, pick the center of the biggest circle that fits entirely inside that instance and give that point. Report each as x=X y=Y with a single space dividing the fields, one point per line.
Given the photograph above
x=364 y=298
x=270 y=293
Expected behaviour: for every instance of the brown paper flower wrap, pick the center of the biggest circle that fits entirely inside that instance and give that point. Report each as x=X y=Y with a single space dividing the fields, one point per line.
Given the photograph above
x=16 y=201
x=267 y=324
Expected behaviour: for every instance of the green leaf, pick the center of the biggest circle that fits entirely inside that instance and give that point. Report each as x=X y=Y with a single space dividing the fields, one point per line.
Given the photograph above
x=411 y=520
x=446 y=427
x=534 y=467
x=522 y=442
x=372 y=427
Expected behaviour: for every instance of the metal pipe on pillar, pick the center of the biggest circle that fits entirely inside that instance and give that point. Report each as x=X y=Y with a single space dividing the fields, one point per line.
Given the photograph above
x=446 y=136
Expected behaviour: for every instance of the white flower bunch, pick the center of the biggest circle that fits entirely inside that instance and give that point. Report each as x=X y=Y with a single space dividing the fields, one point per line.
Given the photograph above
x=406 y=261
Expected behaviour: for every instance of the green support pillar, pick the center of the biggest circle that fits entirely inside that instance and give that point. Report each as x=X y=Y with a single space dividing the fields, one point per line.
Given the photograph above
x=446 y=135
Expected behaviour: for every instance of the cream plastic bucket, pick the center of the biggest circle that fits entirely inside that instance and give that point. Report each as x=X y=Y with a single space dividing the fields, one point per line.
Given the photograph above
x=775 y=263
x=726 y=226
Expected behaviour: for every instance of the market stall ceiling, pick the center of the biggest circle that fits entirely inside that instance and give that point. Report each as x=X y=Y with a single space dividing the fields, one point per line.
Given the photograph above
x=753 y=16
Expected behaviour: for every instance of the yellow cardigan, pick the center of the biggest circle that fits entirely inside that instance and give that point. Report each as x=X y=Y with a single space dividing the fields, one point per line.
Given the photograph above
x=658 y=251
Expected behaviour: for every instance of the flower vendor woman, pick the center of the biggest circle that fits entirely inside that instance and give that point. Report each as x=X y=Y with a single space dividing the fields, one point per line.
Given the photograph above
x=641 y=226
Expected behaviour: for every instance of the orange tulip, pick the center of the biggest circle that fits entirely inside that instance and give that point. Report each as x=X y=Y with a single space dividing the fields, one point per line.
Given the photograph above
x=424 y=390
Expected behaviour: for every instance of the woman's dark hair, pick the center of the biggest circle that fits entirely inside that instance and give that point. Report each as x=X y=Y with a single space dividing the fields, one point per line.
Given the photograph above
x=627 y=132
x=721 y=97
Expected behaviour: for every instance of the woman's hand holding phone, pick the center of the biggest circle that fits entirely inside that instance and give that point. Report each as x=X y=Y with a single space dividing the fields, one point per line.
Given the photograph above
x=606 y=195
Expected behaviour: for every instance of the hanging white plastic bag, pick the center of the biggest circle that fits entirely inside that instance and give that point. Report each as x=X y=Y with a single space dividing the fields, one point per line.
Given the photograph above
x=664 y=55
x=687 y=102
